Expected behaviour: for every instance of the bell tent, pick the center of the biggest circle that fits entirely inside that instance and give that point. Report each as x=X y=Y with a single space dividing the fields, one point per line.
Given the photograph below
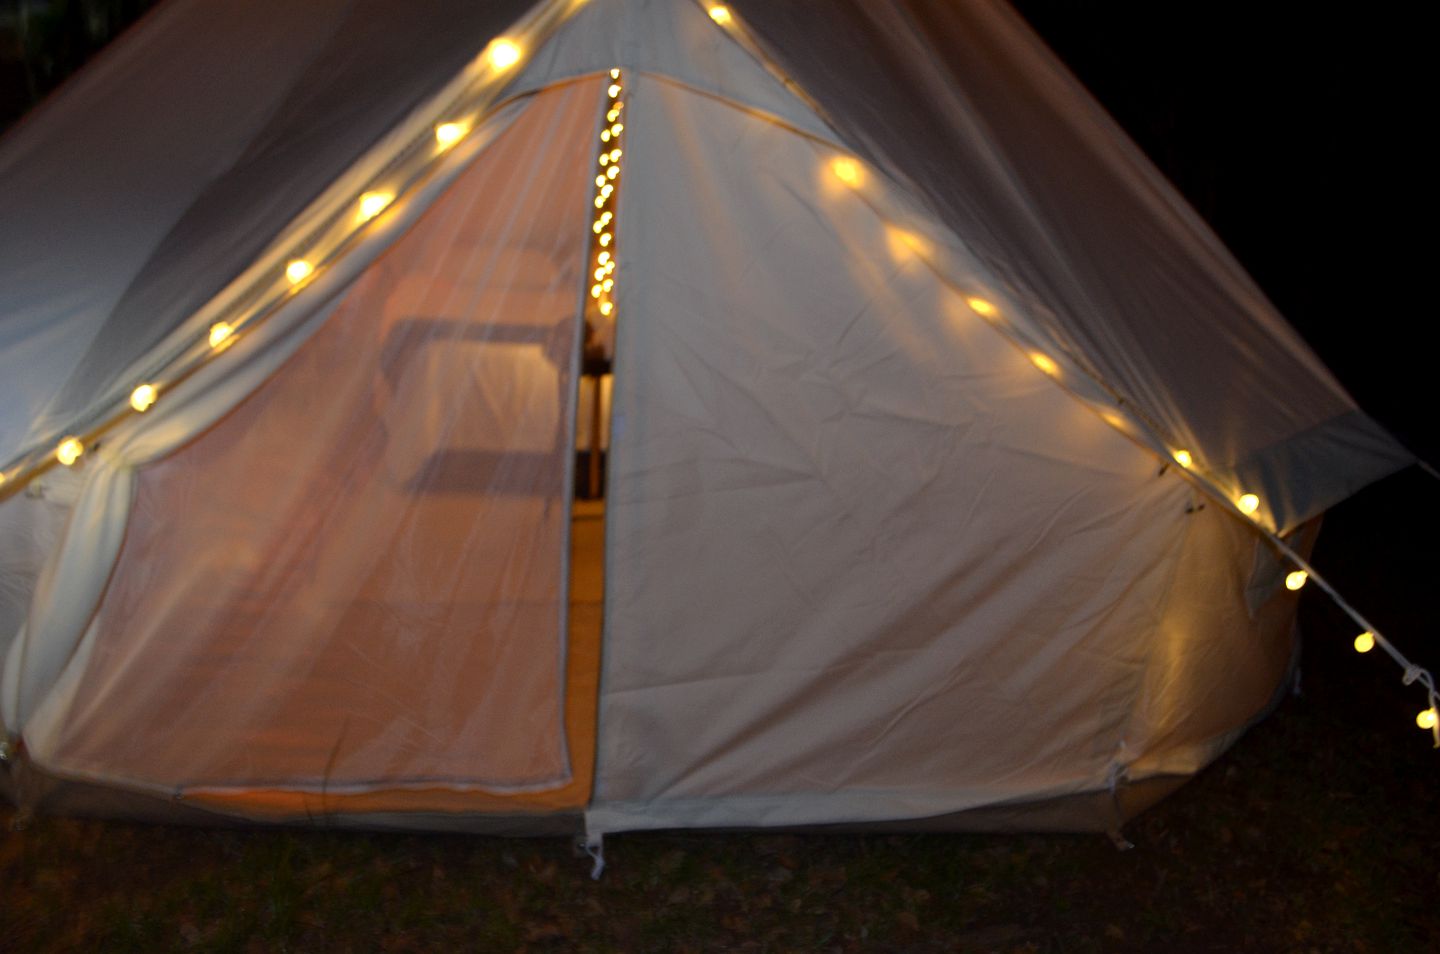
x=954 y=469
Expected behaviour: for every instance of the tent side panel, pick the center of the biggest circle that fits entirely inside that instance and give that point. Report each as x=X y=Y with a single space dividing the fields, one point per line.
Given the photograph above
x=354 y=582
x=867 y=561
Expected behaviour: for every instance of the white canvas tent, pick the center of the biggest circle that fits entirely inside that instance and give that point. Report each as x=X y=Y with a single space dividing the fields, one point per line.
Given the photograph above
x=908 y=339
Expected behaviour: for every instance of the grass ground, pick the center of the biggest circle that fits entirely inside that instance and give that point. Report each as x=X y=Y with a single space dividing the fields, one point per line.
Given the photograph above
x=1317 y=832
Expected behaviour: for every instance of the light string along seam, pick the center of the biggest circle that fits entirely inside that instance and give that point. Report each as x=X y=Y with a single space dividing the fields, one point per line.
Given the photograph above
x=304 y=257
x=1246 y=506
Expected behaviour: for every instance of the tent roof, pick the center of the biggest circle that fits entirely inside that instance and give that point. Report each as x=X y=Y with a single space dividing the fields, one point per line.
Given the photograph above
x=159 y=174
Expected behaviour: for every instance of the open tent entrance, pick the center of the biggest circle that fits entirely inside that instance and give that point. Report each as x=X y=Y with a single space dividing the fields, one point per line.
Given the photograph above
x=356 y=581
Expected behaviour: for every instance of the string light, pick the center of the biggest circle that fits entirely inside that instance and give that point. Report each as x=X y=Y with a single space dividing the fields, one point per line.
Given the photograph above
x=614 y=90
x=1427 y=718
x=1296 y=579
x=373 y=203
x=720 y=15
x=448 y=134
x=220 y=333
x=298 y=270
x=503 y=54
x=1183 y=458
x=143 y=397
x=69 y=451
x=1248 y=503
x=1365 y=642
x=1045 y=363
x=847 y=170
x=982 y=307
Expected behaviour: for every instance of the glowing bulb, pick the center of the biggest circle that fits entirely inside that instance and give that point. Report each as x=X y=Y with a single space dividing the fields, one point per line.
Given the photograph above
x=1426 y=719
x=613 y=115
x=143 y=397
x=503 y=54
x=982 y=307
x=614 y=155
x=614 y=89
x=69 y=451
x=604 y=158
x=373 y=203
x=220 y=333
x=298 y=270
x=448 y=134
x=608 y=284
x=1365 y=642
x=617 y=129
x=600 y=273
x=599 y=201
x=720 y=15
x=1183 y=458
x=1248 y=503
x=1044 y=362
x=614 y=74
x=605 y=238
x=595 y=291
x=1296 y=579
x=606 y=216
x=609 y=267
x=600 y=180
x=613 y=172
x=606 y=307
x=605 y=135
x=606 y=189
x=603 y=258
x=847 y=170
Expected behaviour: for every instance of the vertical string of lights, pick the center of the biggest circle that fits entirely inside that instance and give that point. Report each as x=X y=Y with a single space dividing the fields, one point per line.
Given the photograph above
x=603 y=265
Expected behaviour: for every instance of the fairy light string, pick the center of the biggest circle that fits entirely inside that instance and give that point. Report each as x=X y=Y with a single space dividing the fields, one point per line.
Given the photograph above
x=457 y=120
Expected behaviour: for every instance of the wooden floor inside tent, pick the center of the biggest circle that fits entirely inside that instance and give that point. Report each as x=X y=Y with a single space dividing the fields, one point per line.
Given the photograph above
x=587 y=587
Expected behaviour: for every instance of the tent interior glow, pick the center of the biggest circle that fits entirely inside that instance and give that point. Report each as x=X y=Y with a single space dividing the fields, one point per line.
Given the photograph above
x=851 y=539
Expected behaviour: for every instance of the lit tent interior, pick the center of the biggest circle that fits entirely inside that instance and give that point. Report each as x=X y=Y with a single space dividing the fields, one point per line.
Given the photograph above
x=956 y=476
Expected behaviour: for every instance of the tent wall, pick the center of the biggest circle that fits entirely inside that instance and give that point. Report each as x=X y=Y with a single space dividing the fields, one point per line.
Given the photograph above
x=356 y=579
x=866 y=560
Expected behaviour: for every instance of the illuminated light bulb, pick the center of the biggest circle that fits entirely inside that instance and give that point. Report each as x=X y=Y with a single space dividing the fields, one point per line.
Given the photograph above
x=1365 y=642
x=298 y=270
x=143 y=397
x=600 y=273
x=613 y=115
x=615 y=155
x=373 y=203
x=599 y=202
x=1427 y=718
x=720 y=15
x=2 y=480
x=606 y=189
x=609 y=267
x=605 y=136
x=982 y=307
x=605 y=238
x=606 y=307
x=503 y=54
x=69 y=451
x=597 y=228
x=220 y=333
x=604 y=158
x=603 y=258
x=448 y=134
x=617 y=129
x=600 y=180
x=595 y=291
x=1296 y=579
x=608 y=284
x=613 y=172
x=1114 y=420
x=847 y=170
x=1183 y=458
x=1248 y=503
x=1044 y=362
x=614 y=74
x=606 y=216
x=614 y=89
